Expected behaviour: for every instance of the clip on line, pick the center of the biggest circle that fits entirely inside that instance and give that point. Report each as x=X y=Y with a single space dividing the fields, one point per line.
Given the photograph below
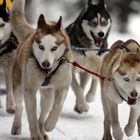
x=75 y=64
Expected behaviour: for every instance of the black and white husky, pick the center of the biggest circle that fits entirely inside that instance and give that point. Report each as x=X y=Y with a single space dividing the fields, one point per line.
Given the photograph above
x=89 y=31
x=8 y=45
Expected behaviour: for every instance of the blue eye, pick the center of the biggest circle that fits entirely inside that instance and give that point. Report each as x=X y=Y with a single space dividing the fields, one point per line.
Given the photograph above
x=54 y=49
x=41 y=47
x=138 y=79
x=126 y=79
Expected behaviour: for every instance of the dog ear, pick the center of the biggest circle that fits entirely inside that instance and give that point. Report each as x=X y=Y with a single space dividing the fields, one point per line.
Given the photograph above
x=90 y=3
x=4 y=4
x=58 y=24
x=41 y=22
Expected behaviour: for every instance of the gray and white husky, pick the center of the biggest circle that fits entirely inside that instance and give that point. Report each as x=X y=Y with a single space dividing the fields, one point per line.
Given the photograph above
x=89 y=31
x=8 y=45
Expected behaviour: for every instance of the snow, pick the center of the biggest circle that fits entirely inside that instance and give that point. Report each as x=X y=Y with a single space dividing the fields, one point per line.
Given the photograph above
x=73 y=126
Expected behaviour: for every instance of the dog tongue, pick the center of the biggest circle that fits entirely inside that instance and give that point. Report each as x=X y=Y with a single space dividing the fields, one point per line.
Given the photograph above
x=98 y=40
x=131 y=101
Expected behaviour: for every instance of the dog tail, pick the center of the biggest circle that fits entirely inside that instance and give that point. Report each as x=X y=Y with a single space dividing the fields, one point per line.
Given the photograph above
x=19 y=24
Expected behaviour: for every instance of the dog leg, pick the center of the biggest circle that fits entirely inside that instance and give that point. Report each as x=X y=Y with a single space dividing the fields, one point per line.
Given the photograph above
x=60 y=96
x=47 y=100
x=30 y=104
x=91 y=93
x=0 y=103
x=16 y=128
x=138 y=124
x=10 y=106
x=83 y=80
x=113 y=111
x=107 y=123
x=133 y=117
x=81 y=105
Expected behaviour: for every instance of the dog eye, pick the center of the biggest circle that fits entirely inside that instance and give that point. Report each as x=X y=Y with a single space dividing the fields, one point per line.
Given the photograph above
x=104 y=23
x=54 y=49
x=2 y=25
x=138 y=79
x=93 y=23
x=41 y=47
x=126 y=79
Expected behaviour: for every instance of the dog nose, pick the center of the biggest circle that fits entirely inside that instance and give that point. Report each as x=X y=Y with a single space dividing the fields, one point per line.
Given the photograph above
x=46 y=64
x=100 y=34
x=134 y=94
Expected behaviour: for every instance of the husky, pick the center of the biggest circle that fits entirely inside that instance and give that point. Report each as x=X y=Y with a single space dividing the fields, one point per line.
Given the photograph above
x=89 y=31
x=39 y=65
x=121 y=66
x=8 y=45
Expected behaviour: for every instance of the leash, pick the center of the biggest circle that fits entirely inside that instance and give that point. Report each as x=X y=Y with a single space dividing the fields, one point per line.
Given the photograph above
x=102 y=50
x=75 y=64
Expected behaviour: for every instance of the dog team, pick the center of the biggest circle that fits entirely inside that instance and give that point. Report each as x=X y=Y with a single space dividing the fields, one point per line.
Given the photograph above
x=40 y=59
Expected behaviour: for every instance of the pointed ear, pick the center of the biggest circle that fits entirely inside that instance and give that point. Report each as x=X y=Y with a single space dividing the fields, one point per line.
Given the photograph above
x=101 y=2
x=58 y=24
x=41 y=21
x=90 y=2
x=4 y=4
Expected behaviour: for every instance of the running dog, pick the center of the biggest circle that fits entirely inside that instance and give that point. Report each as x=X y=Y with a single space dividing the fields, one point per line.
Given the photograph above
x=121 y=67
x=89 y=31
x=40 y=64
x=8 y=45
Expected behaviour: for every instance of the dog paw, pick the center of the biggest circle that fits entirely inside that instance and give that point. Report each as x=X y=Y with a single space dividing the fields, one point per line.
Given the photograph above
x=81 y=108
x=90 y=97
x=128 y=130
x=117 y=132
x=10 y=109
x=107 y=137
x=16 y=130
x=49 y=127
x=43 y=131
x=39 y=137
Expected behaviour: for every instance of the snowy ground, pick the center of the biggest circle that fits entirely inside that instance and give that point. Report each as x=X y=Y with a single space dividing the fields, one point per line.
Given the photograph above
x=72 y=126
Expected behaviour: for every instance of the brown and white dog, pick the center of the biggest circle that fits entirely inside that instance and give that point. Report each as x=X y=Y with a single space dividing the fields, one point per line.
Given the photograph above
x=39 y=66
x=122 y=65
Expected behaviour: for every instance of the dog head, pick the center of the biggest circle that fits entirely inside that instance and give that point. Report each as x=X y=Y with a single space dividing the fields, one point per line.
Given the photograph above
x=5 y=29
x=96 y=22
x=50 y=43
x=127 y=76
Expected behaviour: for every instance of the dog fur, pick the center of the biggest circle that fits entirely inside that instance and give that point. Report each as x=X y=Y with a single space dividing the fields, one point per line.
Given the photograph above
x=8 y=45
x=87 y=31
x=40 y=52
x=122 y=64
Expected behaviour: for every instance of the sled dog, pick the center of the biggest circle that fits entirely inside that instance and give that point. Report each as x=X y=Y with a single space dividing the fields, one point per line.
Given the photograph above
x=90 y=30
x=122 y=66
x=39 y=65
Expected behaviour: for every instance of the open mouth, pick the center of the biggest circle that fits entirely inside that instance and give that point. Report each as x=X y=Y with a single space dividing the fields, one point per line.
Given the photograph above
x=98 y=40
x=131 y=101
x=45 y=72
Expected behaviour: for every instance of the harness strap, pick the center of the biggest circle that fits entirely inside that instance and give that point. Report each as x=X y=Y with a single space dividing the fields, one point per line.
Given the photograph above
x=47 y=79
x=10 y=45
